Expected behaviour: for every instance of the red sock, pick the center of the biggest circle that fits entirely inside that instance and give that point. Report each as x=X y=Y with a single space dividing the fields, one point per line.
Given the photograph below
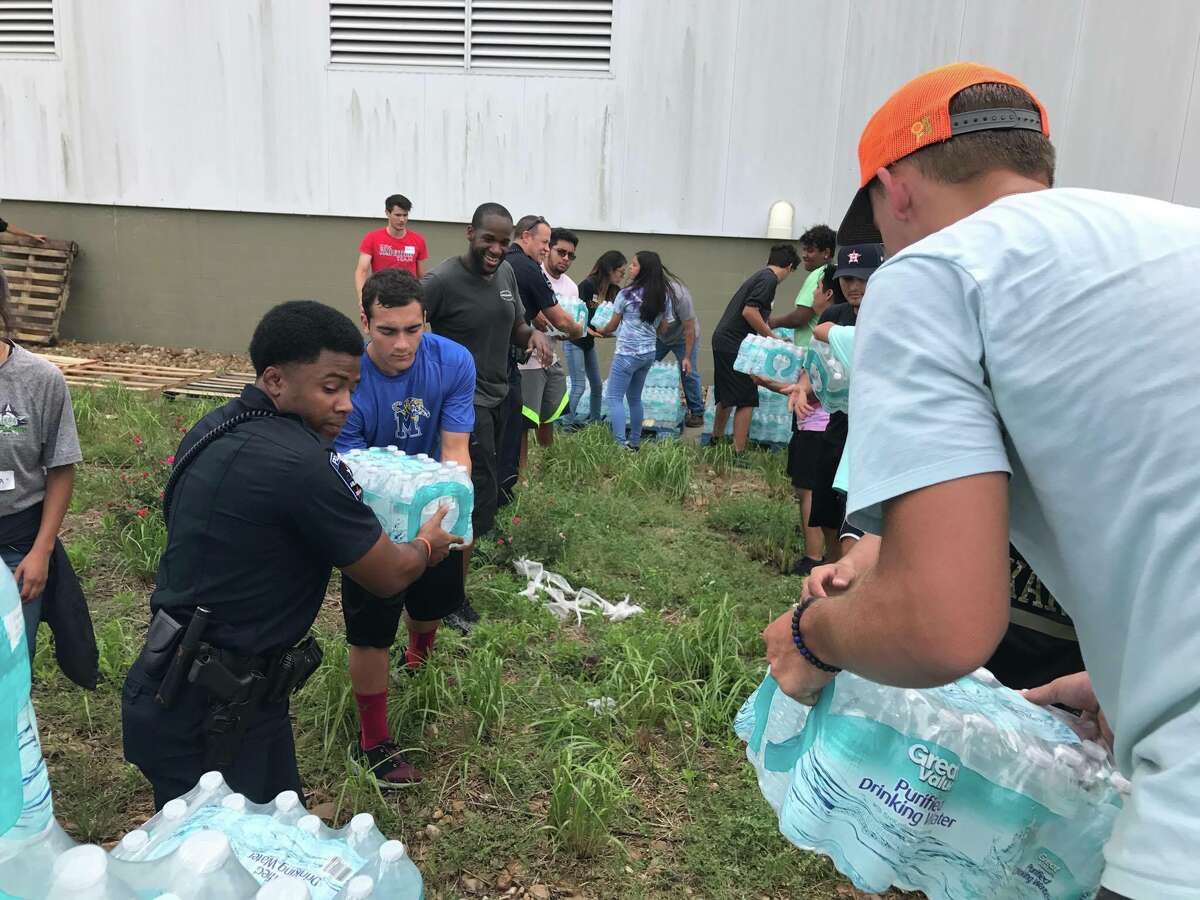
x=419 y=646
x=372 y=713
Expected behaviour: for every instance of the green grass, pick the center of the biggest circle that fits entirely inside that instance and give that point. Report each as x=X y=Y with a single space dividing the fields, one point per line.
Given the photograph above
x=648 y=796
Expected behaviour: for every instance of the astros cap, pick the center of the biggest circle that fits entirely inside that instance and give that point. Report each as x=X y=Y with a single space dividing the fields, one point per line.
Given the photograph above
x=858 y=260
x=918 y=115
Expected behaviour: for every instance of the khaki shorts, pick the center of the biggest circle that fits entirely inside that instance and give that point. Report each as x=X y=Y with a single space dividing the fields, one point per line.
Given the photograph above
x=544 y=393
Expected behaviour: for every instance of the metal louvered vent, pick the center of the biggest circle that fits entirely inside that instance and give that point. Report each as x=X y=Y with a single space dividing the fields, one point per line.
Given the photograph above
x=565 y=35
x=541 y=34
x=399 y=32
x=27 y=28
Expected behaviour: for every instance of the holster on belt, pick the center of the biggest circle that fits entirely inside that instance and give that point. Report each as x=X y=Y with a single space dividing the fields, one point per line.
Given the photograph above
x=238 y=686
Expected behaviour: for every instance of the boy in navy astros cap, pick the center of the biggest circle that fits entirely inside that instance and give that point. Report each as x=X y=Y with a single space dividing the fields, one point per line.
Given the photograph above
x=984 y=369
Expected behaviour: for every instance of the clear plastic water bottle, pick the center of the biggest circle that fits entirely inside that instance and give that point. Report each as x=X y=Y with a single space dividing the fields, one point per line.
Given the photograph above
x=363 y=837
x=82 y=874
x=288 y=808
x=394 y=874
x=313 y=825
x=360 y=887
x=284 y=889
x=205 y=867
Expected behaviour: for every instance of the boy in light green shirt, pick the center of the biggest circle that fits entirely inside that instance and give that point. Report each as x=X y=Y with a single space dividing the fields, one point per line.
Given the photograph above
x=816 y=247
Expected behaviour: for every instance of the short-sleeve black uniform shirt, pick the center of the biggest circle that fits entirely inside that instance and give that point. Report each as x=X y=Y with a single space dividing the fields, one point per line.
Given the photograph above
x=758 y=291
x=257 y=521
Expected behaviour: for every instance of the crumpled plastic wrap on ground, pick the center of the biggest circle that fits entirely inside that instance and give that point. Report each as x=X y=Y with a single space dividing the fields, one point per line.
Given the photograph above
x=565 y=601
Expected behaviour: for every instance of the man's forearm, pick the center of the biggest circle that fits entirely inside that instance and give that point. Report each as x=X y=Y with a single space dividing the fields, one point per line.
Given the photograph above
x=521 y=334
x=754 y=318
x=797 y=318
x=60 y=482
x=875 y=631
x=689 y=337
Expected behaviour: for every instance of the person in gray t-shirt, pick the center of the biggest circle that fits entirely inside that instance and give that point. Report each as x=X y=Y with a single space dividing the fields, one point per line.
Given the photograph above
x=682 y=338
x=38 y=452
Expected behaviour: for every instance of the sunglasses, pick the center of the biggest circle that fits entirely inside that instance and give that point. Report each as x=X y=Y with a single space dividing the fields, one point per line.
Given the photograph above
x=565 y=254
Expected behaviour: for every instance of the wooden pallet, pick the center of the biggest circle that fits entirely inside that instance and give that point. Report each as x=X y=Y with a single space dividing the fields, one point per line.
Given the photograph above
x=63 y=362
x=133 y=376
x=39 y=284
x=226 y=384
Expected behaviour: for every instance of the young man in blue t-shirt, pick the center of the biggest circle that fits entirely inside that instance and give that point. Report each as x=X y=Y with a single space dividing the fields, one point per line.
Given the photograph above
x=417 y=392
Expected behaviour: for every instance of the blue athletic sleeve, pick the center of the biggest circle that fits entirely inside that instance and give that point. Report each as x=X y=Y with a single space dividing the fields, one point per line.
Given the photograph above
x=921 y=411
x=353 y=435
x=458 y=406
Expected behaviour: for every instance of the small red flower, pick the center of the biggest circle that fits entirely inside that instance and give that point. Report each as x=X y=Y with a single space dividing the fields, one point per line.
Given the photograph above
x=516 y=520
x=170 y=460
x=138 y=440
x=145 y=474
x=143 y=512
x=500 y=542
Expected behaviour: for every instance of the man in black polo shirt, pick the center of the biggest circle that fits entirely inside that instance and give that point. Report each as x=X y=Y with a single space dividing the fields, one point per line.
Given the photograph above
x=747 y=312
x=474 y=300
x=538 y=388
x=259 y=509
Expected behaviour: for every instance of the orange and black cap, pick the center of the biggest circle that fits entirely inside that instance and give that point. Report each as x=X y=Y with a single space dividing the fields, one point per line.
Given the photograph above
x=918 y=115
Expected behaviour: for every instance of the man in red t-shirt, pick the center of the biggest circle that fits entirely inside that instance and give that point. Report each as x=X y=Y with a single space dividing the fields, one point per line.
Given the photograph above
x=394 y=247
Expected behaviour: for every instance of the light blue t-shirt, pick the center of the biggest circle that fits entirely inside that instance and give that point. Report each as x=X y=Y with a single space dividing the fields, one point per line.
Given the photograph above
x=841 y=343
x=1055 y=336
x=635 y=337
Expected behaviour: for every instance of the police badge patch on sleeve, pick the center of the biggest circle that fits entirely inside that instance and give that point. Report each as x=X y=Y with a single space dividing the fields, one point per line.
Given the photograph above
x=345 y=474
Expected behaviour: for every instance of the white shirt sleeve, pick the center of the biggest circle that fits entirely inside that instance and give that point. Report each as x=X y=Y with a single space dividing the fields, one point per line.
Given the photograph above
x=921 y=411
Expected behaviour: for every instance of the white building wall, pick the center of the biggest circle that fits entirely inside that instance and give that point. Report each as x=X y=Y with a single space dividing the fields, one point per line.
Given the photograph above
x=714 y=109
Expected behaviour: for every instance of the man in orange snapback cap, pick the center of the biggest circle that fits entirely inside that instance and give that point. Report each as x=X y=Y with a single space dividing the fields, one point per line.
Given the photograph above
x=990 y=400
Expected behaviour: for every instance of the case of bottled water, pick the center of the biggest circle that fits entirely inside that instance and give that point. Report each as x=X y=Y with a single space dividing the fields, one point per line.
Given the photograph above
x=267 y=843
x=965 y=792
x=662 y=402
x=771 y=423
x=30 y=837
x=603 y=315
x=829 y=378
x=769 y=357
x=405 y=491
x=575 y=308
x=785 y=334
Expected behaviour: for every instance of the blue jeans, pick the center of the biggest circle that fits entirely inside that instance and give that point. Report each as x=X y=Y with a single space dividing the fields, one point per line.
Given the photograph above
x=581 y=363
x=31 y=610
x=691 y=383
x=625 y=380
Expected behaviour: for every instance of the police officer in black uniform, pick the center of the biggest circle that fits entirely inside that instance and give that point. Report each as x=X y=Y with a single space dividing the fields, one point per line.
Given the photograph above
x=259 y=508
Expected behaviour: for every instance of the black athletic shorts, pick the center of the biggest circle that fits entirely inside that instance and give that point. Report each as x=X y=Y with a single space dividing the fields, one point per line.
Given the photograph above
x=484 y=446
x=809 y=456
x=733 y=388
x=373 y=621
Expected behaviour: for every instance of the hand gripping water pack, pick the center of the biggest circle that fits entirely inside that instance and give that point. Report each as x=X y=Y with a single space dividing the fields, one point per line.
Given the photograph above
x=575 y=308
x=603 y=314
x=769 y=357
x=965 y=792
x=829 y=378
x=405 y=491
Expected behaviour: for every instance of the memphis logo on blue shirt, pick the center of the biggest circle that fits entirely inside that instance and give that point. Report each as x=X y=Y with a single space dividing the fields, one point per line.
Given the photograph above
x=412 y=409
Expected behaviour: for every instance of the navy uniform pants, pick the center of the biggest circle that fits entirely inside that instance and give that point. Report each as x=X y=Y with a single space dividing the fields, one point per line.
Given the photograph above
x=168 y=744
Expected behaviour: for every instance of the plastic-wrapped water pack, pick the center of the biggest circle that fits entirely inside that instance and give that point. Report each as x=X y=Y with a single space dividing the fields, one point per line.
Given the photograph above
x=771 y=423
x=575 y=308
x=603 y=314
x=965 y=792
x=829 y=378
x=405 y=491
x=662 y=404
x=769 y=357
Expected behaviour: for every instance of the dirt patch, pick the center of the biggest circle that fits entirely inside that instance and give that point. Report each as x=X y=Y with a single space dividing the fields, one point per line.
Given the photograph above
x=182 y=357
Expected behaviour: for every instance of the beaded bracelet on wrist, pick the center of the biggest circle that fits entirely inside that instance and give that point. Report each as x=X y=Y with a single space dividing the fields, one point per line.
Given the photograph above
x=798 y=639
